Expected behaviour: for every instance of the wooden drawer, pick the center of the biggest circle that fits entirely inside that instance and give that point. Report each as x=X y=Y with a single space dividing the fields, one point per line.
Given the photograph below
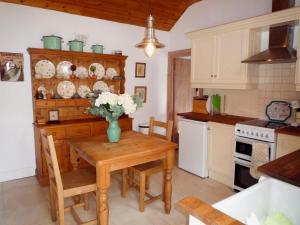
x=57 y=133
x=99 y=128
x=82 y=102
x=44 y=104
x=64 y=103
x=79 y=131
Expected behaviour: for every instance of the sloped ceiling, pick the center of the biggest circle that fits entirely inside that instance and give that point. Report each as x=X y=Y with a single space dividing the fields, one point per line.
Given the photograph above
x=135 y=12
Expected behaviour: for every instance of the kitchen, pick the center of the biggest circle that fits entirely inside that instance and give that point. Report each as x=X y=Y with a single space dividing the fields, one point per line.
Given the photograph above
x=274 y=82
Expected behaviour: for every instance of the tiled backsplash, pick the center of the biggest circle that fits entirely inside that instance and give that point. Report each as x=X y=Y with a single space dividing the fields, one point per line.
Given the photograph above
x=276 y=82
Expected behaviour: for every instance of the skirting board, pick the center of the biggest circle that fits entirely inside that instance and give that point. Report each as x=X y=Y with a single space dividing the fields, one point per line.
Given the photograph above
x=17 y=174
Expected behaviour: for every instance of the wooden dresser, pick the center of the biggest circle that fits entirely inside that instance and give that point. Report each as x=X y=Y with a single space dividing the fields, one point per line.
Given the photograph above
x=73 y=120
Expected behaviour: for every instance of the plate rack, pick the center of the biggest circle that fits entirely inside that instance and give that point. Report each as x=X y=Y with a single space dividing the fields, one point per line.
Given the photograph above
x=71 y=109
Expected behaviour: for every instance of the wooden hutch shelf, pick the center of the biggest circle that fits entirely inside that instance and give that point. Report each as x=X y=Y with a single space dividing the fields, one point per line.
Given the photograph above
x=73 y=119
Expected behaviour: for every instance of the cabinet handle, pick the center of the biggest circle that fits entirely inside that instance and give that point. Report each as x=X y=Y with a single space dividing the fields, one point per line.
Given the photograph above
x=211 y=75
x=215 y=75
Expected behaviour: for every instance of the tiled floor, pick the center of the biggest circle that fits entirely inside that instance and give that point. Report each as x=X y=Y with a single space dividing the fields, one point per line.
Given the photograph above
x=24 y=202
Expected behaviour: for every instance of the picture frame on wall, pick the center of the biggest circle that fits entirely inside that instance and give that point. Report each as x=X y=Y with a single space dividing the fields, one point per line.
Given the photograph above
x=53 y=116
x=11 y=66
x=141 y=92
x=140 y=70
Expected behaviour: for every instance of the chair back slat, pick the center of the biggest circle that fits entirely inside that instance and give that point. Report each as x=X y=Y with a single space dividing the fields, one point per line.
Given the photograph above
x=168 y=126
x=51 y=159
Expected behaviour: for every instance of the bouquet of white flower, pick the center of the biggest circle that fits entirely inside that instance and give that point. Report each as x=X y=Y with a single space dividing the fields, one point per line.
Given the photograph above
x=111 y=107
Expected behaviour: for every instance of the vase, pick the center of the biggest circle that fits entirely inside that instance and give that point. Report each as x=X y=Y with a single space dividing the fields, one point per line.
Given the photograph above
x=113 y=131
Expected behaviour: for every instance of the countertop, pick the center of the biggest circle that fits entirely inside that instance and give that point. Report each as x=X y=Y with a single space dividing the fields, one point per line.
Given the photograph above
x=285 y=168
x=295 y=131
x=226 y=119
x=204 y=212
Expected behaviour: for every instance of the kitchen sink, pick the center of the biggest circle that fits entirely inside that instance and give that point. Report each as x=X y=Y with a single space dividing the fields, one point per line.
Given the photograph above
x=264 y=198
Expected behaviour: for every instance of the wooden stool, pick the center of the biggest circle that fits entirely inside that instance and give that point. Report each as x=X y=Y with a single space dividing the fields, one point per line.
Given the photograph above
x=61 y=186
x=144 y=171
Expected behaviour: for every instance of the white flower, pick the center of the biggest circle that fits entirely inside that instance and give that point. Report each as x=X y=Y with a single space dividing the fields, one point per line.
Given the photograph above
x=106 y=98
x=127 y=102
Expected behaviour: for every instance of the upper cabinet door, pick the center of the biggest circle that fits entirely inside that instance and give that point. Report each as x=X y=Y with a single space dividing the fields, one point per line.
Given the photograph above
x=232 y=48
x=203 y=57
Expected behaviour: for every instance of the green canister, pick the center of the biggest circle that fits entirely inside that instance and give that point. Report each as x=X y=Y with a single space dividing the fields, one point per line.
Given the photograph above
x=97 y=48
x=76 y=45
x=52 y=42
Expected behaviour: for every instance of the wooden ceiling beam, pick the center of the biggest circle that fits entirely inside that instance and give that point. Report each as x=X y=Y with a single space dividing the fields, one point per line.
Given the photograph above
x=135 y=12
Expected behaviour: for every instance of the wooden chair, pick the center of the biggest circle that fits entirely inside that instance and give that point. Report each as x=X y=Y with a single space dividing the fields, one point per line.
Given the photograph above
x=61 y=186
x=144 y=171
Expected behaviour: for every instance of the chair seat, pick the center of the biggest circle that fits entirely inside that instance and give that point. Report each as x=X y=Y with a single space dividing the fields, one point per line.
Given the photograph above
x=78 y=178
x=148 y=166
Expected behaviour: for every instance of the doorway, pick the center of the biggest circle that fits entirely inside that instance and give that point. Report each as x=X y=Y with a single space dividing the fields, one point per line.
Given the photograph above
x=180 y=93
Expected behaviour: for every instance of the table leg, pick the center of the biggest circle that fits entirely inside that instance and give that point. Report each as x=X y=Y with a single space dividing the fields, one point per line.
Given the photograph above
x=103 y=183
x=168 y=165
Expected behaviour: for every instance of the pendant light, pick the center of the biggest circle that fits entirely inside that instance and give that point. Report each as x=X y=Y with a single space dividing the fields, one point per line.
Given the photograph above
x=150 y=42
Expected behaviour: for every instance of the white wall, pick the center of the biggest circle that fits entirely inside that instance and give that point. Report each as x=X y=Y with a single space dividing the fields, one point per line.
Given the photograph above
x=208 y=13
x=22 y=27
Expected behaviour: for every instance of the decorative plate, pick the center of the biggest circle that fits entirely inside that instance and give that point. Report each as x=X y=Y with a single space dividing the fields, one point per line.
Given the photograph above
x=111 y=73
x=278 y=111
x=44 y=69
x=83 y=90
x=63 y=69
x=66 y=89
x=100 y=86
x=99 y=70
x=81 y=72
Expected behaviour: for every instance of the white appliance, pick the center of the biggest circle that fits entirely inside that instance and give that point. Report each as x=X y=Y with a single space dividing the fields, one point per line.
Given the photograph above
x=193 y=146
x=246 y=133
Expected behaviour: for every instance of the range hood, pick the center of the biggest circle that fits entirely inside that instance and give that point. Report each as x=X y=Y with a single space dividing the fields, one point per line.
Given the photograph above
x=280 y=41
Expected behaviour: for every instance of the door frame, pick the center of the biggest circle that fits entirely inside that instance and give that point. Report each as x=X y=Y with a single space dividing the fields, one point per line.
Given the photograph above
x=170 y=84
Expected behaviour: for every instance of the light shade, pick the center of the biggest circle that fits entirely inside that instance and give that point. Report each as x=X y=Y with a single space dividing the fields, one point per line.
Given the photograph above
x=150 y=42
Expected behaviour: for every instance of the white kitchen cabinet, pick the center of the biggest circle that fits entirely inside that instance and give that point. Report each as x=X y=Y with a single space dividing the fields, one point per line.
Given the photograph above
x=216 y=60
x=203 y=57
x=287 y=144
x=221 y=142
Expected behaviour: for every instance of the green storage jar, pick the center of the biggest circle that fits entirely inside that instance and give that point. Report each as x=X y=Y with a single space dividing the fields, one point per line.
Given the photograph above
x=76 y=45
x=52 y=42
x=97 y=48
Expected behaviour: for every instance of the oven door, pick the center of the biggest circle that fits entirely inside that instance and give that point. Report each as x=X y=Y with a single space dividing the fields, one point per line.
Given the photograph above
x=243 y=148
x=242 y=176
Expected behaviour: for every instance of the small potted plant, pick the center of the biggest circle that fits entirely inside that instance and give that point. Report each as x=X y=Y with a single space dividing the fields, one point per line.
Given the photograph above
x=93 y=70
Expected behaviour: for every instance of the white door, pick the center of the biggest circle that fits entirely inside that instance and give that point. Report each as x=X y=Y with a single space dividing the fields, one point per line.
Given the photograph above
x=231 y=50
x=193 y=147
x=203 y=57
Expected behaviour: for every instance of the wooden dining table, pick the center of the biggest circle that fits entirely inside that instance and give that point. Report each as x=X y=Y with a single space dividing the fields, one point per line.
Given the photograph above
x=134 y=148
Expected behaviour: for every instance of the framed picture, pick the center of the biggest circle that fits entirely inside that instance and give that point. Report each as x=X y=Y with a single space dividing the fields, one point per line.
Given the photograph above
x=140 y=70
x=53 y=116
x=141 y=92
x=11 y=66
